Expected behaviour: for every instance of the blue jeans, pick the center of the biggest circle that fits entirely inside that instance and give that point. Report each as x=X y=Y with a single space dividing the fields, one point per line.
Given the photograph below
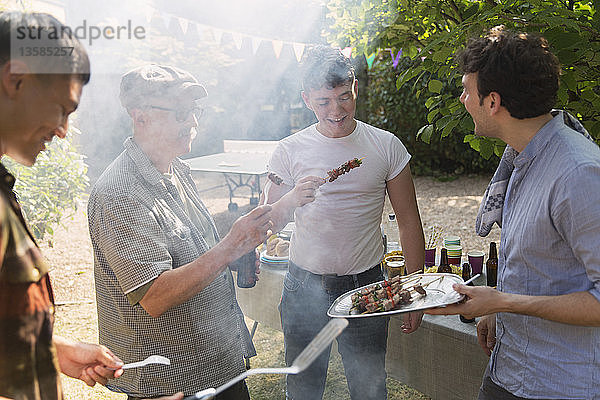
x=304 y=303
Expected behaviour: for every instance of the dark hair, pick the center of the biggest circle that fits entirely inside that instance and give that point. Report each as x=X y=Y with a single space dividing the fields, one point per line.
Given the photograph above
x=325 y=66
x=43 y=31
x=518 y=66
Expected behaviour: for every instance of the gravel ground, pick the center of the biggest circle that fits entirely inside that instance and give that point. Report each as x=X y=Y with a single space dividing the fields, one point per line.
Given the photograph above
x=453 y=205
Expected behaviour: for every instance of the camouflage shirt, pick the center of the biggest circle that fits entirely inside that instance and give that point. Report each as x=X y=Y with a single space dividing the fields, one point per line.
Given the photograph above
x=28 y=363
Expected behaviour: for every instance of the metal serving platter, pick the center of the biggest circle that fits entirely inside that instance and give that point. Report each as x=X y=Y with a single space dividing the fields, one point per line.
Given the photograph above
x=439 y=294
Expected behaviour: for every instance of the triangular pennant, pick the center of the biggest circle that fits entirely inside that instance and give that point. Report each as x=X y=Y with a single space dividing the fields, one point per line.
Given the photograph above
x=237 y=39
x=191 y=34
x=175 y=28
x=347 y=51
x=148 y=13
x=218 y=35
x=208 y=33
x=157 y=22
x=298 y=50
x=255 y=43
x=370 y=59
x=184 y=24
x=277 y=46
x=396 y=59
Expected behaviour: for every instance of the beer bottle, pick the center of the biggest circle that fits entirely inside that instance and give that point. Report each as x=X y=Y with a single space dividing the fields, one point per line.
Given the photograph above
x=444 y=265
x=246 y=270
x=466 y=275
x=491 y=266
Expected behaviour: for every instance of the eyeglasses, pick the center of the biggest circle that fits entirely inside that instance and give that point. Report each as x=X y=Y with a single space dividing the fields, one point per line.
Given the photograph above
x=182 y=115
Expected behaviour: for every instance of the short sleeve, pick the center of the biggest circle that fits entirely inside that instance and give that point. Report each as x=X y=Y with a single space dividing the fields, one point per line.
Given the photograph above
x=128 y=235
x=279 y=164
x=397 y=156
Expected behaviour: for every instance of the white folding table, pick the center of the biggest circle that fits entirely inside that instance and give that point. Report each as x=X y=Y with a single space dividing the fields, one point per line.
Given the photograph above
x=242 y=163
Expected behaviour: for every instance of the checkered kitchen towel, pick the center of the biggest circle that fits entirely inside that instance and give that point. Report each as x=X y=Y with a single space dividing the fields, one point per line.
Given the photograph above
x=490 y=210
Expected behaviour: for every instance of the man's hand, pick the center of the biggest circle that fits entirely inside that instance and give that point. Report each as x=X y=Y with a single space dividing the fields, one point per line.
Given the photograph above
x=479 y=300
x=486 y=333
x=248 y=231
x=88 y=362
x=305 y=191
x=412 y=321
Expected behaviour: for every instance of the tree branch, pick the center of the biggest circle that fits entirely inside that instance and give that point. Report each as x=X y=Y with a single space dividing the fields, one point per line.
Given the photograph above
x=450 y=17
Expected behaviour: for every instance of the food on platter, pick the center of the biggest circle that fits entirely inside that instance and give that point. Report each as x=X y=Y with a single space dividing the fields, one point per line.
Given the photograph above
x=275 y=179
x=342 y=169
x=272 y=246
x=387 y=295
x=283 y=248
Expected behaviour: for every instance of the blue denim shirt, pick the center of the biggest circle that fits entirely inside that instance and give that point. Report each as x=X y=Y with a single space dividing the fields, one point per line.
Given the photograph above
x=550 y=245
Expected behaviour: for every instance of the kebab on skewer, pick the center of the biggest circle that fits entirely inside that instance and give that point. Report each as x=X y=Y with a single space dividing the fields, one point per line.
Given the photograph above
x=275 y=179
x=387 y=296
x=342 y=169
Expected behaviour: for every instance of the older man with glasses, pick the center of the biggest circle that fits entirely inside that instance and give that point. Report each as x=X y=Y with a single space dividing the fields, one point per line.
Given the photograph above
x=162 y=282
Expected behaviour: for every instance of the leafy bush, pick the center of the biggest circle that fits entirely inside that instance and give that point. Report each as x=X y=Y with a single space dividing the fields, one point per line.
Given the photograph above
x=53 y=186
x=400 y=111
x=430 y=31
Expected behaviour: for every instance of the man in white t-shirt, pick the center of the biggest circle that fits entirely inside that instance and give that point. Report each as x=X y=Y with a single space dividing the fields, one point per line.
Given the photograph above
x=337 y=246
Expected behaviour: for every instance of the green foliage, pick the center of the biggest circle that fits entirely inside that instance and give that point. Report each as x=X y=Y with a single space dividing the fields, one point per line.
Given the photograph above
x=430 y=31
x=397 y=110
x=54 y=184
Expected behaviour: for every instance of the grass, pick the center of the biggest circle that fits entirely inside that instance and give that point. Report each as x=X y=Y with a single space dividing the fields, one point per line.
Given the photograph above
x=79 y=321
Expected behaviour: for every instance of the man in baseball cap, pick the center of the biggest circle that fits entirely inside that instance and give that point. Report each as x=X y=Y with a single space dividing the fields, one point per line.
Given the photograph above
x=155 y=80
x=162 y=281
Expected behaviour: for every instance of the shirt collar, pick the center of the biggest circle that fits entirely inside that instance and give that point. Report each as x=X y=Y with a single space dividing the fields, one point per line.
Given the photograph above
x=148 y=171
x=539 y=141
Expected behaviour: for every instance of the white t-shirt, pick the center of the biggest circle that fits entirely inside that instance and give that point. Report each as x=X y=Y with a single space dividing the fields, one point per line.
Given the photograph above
x=339 y=232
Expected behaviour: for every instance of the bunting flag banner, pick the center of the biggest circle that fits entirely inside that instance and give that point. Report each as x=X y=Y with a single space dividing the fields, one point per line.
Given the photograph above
x=277 y=46
x=395 y=60
x=255 y=43
x=191 y=32
x=370 y=59
x=298 y=50
x=347 y=51
x=237 y=39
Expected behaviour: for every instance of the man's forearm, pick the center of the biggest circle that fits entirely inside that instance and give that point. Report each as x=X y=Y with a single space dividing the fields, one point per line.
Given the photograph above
x=413 y=245
x=283 y=212
x=178 y=285
x=578 y=308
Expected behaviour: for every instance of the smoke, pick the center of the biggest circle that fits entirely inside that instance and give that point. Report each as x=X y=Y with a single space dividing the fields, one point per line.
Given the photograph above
x=253 y=94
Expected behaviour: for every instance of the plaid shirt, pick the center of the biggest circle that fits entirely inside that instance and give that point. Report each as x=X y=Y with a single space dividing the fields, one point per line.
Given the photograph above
x=28 y=364
x=139 y=229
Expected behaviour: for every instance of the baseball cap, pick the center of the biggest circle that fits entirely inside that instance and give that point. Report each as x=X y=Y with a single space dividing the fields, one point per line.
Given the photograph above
x=164 y=81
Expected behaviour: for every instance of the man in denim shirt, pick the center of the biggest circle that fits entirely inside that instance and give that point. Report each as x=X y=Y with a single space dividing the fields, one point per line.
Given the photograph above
x=541 y=324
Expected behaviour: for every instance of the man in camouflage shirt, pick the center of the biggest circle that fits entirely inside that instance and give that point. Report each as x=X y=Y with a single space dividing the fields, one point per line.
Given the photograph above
x=37 y=94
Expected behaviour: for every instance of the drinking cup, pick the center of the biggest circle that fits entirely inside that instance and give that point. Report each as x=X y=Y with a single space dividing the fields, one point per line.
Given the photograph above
x=476 y=261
